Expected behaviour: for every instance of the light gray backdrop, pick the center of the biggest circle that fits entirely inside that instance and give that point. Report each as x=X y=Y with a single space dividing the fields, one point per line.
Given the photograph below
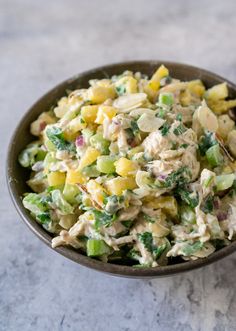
x=42 y=43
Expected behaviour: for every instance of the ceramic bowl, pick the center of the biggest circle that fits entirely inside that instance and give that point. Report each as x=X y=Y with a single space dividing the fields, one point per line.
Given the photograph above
x=17 y=176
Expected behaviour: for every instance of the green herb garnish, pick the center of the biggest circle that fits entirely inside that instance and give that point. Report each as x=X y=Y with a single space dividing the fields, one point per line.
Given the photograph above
x=56 y=136
x=165 y=129
x=179 y=130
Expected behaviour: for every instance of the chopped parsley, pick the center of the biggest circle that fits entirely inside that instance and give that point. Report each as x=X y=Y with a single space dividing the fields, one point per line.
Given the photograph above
x=147 y=240
x=127 y=224
x=56 y=136
x=177 y=177
x=206 y=141
x=161 y=113
x=191 y=198
x=179 y=130
x=134 y=128
x=44 y=218
x=103 y=218
x=121 y=89
x=183 y=145
x=165 y=129
x=148 y=218
x=207 y=205
x=179 y=117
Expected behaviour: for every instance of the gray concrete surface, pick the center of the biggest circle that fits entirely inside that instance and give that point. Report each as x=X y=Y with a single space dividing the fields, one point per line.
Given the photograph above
x=44 y=42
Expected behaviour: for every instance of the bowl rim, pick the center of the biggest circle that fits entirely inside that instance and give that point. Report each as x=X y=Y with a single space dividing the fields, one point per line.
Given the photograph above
x=70 y=253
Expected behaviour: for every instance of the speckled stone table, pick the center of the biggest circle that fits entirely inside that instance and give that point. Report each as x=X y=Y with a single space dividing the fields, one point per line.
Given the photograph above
x=44 y=42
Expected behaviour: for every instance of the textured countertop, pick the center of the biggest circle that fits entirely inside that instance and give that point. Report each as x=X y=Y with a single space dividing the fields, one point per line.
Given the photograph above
x=42 y=43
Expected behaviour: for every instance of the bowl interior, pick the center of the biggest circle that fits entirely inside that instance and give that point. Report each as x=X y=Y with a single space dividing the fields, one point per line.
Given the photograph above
x=17 y=176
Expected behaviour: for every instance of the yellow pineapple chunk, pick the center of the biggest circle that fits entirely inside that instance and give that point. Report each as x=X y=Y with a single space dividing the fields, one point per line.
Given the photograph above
x=151 y=89
x=125 y=167
x=89 y=157
x=96 y=191
x=130 y=84
x=167 y=203
x=77 y=124
x=99 y=94
x=217 y=92
x=89 y=113
x=161 y=72
x=75 y=177
x=118 y=185
x=196 y=87
x=37 y=127
x=105 y=112
x=56 y=178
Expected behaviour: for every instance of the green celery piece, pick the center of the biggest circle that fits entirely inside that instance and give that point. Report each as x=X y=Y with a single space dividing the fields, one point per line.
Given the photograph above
x=49 y=158
x=31 y=154
x=35 y=203
x=190 y=249
x=87 y=134
x=61 y=203
x=206 y=141
x=214 y=156
x=223 y=182
x=91 y=171
x=105 y=164
x=97 y=141
x=97 y=247
x=166 y=99
x=187 y=215
x=70 y=192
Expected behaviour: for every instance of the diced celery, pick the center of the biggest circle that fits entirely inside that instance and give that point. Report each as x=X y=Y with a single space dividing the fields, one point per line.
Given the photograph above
x=100 y=143
x=49 y=145
x=87 y=134
x=31 y=154
x=224 y=182
x=166 y=99
x=35 y=203
x=190 y=248
x=91 y=171
x=214 y=156
x=70 y=192
x=41 y=155
x=105 y=164
x=61 y=203
x=96 y=247
x=187 y=215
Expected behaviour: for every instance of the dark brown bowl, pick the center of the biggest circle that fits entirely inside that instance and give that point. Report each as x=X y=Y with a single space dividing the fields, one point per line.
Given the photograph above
x=17 y=176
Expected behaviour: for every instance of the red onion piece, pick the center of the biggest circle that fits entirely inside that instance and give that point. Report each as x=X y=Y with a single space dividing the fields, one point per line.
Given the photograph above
x=221 y=215
x=79 y=142
x=42 y=126
x=162 y=177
